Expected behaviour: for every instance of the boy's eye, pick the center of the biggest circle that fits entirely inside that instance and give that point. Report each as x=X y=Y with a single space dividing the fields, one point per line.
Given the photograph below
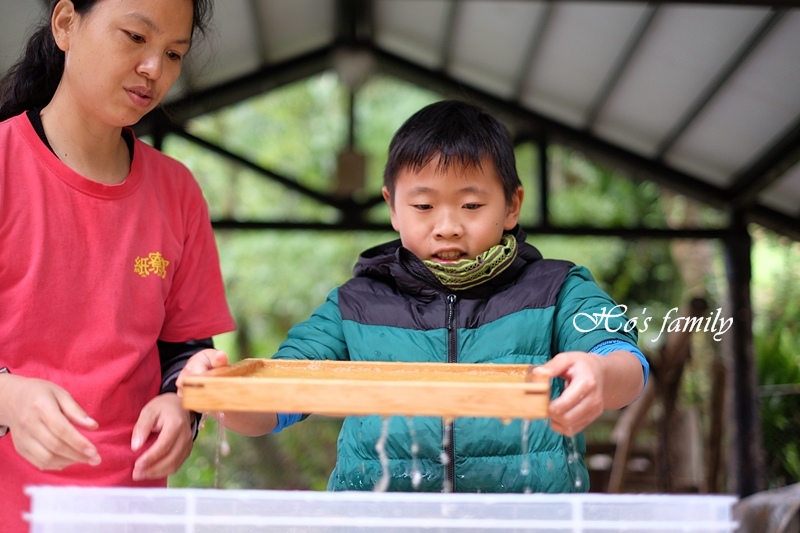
x=472 y=206
x=421 y=207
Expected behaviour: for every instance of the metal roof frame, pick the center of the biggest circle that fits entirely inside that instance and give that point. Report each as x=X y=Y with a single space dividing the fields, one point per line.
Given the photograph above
x=531 y=127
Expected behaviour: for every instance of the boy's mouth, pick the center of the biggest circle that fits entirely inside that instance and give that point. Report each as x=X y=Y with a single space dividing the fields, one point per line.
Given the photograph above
x=449 y=255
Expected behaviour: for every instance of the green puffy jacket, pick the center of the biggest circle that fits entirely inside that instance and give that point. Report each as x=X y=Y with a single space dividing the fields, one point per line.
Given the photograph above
x=394 y=309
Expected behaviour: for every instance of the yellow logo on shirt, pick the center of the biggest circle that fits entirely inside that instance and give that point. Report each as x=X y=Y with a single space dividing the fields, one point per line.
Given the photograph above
x=154 y=263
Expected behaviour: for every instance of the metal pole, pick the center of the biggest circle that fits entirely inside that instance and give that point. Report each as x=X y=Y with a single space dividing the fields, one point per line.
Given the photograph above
x=747 y=464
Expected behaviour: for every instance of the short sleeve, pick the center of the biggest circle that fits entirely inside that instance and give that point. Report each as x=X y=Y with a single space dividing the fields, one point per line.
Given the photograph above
x=196 y=306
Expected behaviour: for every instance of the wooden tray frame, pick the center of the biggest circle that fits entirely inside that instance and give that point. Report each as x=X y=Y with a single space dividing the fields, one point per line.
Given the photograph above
x=342 y=388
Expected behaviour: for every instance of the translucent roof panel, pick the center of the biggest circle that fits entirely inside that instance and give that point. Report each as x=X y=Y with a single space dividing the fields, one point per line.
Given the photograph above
x=784 y=193
x=759 y=102
x=413 y=29
x=588 y=36
x=18 y=18
x=684 y=47
x=490 y=42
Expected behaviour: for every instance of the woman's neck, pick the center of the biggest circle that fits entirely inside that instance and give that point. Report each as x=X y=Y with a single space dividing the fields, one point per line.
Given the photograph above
x=98 y=153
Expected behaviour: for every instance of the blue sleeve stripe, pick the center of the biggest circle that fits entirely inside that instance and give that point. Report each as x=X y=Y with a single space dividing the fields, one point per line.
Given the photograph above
x=606 y=347
x=286 y=419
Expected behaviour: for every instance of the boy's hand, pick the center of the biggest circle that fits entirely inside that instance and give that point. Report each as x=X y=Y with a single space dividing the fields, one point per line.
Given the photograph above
x=42 y=422
x=201 y=362
x=593 y=383
x=245 y=423
x=165 y=416
x=582 y=401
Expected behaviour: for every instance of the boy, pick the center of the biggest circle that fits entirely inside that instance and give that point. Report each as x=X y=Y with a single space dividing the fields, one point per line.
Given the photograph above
x=462 y=286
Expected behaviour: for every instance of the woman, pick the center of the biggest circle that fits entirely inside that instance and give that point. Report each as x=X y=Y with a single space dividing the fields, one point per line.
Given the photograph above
x=109 y=273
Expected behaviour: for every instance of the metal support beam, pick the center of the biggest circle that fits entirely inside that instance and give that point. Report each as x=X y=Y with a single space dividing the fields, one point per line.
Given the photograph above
x=348 y=224
x=533 y=125
x=354 y=21
x=235 y=91
x=747 y=467
x=255 y=10
x=781 y=157
x=351 y=211
x=282 y=180
x=160 y=126
x=544 y=184
x=751 y=3
x=530 y=125
x=786 y=225
x=639 y=167
x=446 y=52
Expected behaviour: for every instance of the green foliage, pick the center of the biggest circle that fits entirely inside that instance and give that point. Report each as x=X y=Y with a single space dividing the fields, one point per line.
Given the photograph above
x=294 y=459
x=382 y=105
x=275 y=279
x=640 y=273
x=777 y=345
x=527 y=156
x=610 y=205
x=617 y=200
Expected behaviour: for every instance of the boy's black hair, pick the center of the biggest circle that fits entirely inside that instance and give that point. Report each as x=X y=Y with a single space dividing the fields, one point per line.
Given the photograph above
x=460 y=134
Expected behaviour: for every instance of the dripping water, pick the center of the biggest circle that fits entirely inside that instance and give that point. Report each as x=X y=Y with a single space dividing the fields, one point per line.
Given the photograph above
x=416 y=474
x=380 y=447
x=223 y=448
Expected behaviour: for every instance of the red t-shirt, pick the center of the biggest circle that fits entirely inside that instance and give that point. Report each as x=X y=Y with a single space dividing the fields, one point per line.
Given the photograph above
x=91 y=275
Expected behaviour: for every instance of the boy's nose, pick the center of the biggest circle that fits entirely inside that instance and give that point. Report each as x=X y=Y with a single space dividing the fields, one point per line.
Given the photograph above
x=448 y=226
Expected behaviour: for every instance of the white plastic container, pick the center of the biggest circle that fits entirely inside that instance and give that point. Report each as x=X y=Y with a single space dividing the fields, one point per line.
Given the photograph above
x=95 y=510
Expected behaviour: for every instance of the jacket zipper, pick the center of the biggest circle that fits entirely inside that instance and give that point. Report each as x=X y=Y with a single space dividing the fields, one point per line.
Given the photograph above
x=448 y=426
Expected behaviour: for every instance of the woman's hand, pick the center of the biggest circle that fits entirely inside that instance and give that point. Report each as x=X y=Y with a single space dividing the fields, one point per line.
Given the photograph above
x=43 y=419
x=164 y=416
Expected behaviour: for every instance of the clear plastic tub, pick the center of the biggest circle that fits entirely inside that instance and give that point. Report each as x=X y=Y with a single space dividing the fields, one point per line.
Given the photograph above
x=117 y=510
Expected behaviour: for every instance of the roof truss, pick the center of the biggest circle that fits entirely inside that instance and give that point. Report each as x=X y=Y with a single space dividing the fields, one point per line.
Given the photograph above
x=529 y=126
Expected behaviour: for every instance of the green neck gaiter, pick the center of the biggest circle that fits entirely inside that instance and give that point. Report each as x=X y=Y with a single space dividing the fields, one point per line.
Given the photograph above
x=467 y=273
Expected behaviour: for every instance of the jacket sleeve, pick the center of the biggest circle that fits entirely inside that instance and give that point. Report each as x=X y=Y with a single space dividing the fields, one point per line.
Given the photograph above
x=318 y=338
x=586 y=316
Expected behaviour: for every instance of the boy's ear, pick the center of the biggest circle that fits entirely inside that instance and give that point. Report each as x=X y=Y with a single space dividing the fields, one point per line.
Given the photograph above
x=513 y=209
x=388 y=198
x=62 y=22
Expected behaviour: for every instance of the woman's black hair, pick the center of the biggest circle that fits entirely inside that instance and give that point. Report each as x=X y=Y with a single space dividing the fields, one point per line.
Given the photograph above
x=460 y=134
x=32 y=81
